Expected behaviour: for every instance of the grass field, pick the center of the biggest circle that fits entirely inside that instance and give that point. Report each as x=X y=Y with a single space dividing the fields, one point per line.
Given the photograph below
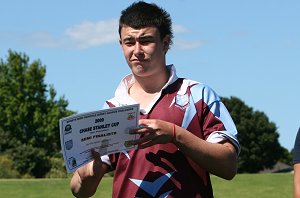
x=243 y=185
x=255 y=186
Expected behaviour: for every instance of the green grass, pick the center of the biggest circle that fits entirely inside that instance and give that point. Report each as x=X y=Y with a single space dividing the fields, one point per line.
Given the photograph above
x=243 y=185
x=45 y=188
x=277 y=185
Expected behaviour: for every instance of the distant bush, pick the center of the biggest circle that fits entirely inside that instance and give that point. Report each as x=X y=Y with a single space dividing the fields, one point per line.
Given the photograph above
x=30 y=161
x=6 y=168
x=58 y=169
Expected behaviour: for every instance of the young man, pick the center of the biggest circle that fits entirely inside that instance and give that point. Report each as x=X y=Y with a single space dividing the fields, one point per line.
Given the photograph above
x=185 y=130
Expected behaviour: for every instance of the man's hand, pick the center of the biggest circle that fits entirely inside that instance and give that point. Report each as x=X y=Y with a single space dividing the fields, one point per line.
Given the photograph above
x=153 y=132
x=92 y=169
x=86 y=179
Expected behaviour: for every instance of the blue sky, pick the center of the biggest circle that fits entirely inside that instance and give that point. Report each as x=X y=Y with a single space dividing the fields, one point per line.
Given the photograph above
x=247 y=49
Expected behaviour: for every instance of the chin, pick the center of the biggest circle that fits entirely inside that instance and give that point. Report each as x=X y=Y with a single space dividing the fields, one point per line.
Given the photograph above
x=140 y=72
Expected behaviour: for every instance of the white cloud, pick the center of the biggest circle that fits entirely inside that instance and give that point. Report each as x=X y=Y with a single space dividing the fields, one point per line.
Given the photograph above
x=81 y=36
x=91 y=34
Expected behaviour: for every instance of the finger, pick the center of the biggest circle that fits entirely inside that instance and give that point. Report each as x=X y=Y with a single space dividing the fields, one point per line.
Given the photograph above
x=135 y=130
x=149 y=143
x=95 y=154
x=142 y=129
x=145 y=122
x=144 y=139
x=147 y=138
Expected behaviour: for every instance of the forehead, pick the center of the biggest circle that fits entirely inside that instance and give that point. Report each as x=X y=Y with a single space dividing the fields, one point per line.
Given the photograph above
x=127 y=31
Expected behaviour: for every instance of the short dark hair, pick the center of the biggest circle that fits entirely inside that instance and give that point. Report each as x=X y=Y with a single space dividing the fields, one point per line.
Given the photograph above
x=141 y=14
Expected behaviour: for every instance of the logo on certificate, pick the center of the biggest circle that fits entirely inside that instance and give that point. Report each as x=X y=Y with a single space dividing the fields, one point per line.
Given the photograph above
x=68 y=129
x=69 y=144
x=72 y=162
x=130 y=116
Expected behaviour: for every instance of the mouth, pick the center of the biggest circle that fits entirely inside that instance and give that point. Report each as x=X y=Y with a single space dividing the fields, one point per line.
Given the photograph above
x=138 y=61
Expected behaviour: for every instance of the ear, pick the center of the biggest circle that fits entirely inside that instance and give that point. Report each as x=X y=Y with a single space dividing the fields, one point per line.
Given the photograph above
x=120 y=41
x=166 y=43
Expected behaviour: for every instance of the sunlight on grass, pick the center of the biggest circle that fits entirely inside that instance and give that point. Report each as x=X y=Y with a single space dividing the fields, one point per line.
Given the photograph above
x=243 y=185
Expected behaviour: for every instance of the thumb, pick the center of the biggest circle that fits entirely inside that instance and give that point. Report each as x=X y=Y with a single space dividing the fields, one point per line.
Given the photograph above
x=97 y=162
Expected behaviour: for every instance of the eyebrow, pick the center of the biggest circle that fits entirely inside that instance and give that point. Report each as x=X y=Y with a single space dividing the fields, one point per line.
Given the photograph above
x=140 y=38
x=146 y=37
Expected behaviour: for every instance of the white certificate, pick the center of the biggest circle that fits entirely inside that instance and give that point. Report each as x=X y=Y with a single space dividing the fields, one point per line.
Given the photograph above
x=106 y=131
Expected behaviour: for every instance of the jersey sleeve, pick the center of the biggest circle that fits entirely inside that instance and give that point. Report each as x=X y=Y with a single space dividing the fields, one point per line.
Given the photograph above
x=217 y=124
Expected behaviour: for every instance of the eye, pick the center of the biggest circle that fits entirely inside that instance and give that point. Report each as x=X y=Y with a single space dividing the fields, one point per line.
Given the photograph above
x=146 y=40
x=129 y=42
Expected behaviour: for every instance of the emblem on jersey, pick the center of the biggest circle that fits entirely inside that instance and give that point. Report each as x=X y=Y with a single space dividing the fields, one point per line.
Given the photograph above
x=182 y=101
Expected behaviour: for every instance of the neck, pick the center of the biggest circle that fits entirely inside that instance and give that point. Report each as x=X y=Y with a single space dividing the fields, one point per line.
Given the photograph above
x=152 y=84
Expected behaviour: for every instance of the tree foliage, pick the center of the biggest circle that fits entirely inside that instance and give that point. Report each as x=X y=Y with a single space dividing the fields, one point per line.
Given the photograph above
x=258 y=137
x=29 y=114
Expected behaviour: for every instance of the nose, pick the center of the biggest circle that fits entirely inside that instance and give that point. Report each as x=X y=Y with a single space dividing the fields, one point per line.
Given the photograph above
x=138 y=49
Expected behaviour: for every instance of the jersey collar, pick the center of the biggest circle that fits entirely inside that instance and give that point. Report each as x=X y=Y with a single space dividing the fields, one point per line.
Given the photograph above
x=122 y=97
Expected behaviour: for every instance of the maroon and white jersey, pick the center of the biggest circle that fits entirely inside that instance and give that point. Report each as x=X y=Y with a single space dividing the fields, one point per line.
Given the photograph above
x=163 y=170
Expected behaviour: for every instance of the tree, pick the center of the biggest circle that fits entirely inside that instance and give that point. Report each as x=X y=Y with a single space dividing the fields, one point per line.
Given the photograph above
x=29 y=113
x=258 y=137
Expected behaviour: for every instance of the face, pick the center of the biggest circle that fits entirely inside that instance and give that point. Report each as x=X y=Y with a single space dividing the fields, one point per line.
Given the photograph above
x=143 y=49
